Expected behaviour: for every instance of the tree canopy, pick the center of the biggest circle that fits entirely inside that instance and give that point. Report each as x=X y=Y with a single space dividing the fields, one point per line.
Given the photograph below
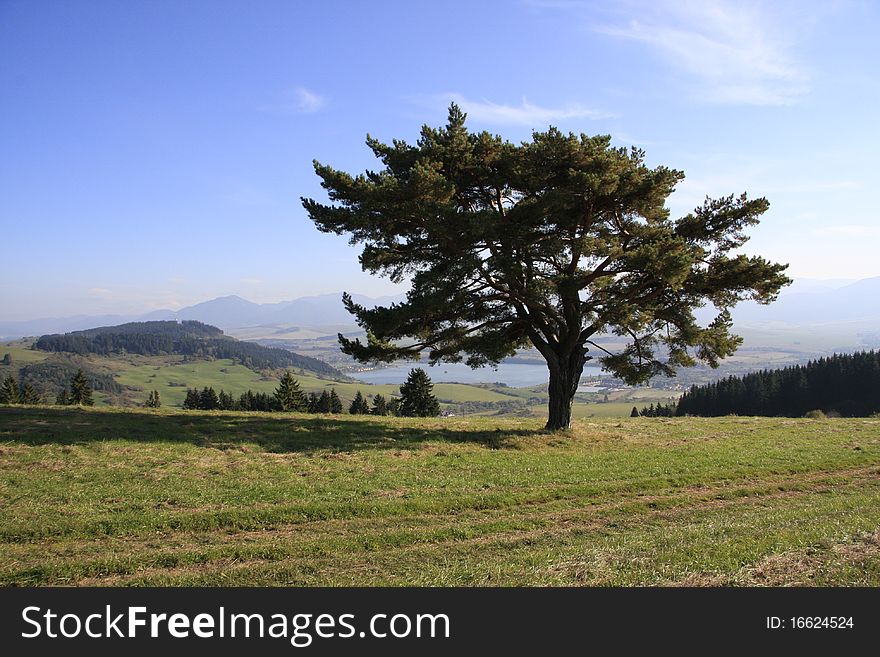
x=552 y=243
x=80 y=390
x=289 y=395
x=417 y=395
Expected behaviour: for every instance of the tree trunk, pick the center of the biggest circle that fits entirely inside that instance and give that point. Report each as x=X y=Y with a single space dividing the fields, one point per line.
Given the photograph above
x=565 y=375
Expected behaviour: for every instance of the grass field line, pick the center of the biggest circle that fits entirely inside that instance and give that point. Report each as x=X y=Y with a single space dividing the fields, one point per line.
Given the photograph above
x=185 y=551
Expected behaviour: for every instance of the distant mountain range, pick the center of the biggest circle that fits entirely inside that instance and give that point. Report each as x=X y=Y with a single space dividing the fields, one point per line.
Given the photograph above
x=806 y=302
x=228 y=312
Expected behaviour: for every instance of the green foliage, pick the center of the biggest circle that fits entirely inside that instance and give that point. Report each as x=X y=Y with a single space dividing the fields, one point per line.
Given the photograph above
x=29 y=394
x=153 y=400
x=393 y=406
x=225 y=401
x=416 y=396
x=57 y=372
x=634 y=412
x=9 y=392
x=80 y=390
x=335 y=402
x=289 y=395
x=62 y=398
x=380 y=407
x=208 y=399
x=359 y=405
x=661 y=410
x=193 y=400
x=7 y=360
x=846 y=384
x=549 y=242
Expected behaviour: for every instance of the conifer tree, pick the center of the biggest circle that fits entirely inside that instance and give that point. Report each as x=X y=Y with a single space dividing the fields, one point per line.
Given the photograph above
x=80 y=390
x=289 y=396
x=208 y=400
x=29 y=395
x=550 y=243
x=416 y=395
x=634 y=412
x=359 y=405
x=192 y=401
x=227 y=401
x=9 y=392
x=7 y=359
x=335 y=402
x=314 y=403
x=323 y=405
x=379 y=405
x=62 y=398
x=153 y=400
x=393 y=406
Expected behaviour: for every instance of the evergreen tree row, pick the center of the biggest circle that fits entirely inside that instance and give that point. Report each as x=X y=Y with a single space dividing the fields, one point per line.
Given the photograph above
x=79 y=392
x=15 y=393
x=660 y=410
x=848 y=384
x=416 y=400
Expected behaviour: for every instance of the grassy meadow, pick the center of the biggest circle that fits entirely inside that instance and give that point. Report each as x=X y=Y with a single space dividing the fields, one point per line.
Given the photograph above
x=171 y=375
x=132 y=497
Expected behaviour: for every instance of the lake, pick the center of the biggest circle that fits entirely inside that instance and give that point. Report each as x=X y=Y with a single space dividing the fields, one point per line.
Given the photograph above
x=516 y=375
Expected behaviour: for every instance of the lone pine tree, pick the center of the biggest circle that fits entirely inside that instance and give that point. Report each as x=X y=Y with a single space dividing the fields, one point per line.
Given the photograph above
x=417 y=397
x=289 y=396
x=80 y=390
x=550 y=243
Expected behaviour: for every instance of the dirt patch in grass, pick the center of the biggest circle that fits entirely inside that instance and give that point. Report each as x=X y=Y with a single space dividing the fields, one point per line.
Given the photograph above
x=801 y=567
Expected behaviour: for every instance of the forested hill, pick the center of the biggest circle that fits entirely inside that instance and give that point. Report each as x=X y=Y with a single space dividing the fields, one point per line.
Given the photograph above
x=170 y=328
x=847 y=384
x=188 y=338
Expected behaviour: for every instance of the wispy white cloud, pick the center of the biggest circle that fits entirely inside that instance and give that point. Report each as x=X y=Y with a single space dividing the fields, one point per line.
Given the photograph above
x=308 y=101
x=739 y=53
x=525 y=113
x=299 y=100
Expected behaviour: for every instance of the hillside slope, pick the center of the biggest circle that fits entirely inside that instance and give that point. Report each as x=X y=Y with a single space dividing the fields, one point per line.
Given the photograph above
x=187 y=338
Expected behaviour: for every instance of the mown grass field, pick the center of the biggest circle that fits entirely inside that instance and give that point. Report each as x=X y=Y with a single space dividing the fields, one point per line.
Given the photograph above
x=114 y=497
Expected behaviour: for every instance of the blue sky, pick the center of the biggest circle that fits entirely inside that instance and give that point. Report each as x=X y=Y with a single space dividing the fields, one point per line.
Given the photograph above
x=152 y=154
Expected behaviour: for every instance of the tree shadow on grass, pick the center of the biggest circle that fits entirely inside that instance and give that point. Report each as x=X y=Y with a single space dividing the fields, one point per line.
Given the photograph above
x=273 y=433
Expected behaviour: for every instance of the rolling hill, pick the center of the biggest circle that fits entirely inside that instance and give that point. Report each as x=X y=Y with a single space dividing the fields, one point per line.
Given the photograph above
x=186 y=338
